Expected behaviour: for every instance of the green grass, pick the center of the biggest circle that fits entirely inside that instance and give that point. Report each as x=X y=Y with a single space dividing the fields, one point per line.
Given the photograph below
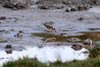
x=93 y=61
x=27 y=62
x=3 y=41
x=95 y=52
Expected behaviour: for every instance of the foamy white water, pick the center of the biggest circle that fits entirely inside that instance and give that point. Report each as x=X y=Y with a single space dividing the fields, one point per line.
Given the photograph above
x=46 y=54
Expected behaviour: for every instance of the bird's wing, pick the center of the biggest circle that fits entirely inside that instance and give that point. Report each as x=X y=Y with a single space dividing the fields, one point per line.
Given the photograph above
x=48 y=26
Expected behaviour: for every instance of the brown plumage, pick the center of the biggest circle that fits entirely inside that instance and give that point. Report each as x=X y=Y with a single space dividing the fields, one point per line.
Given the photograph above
x=51 y=39
x=49 y=27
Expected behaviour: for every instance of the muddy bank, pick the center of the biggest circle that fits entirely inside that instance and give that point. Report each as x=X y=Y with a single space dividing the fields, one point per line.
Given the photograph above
x=66 y=2
x=12 y=22
x=22 y=4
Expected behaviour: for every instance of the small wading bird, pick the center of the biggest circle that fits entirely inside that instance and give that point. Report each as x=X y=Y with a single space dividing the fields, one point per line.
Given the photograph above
x=49 y=28
x=51 y=39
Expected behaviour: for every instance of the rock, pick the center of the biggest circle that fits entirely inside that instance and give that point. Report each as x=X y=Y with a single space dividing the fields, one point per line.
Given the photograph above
x=9 y=51
x=43 y=7
x=74 y=39
x=68 y=10
x=88 y=42
x=66 y=2
x=21 y=31
x=82 y=7
x=63 y=34
x=77 y=47
x=16 y=4
x=50 y=7
x=59 y=7
x=80 y=19
x=88 y=6
x=73 y=8
x=86 y=52
x=94 y=2
x=2 y=18
x=8 y=46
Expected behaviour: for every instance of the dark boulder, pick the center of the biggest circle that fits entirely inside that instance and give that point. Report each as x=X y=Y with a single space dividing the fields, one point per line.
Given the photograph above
x=77 y=47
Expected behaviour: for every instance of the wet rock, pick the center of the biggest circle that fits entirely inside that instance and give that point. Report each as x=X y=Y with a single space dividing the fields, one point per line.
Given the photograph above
x=21 y=31
x=63 y=34
x=16 y=4
x=78 y=8
x=77 y=47
x=94 y=2
x=2 y=18
x=88 y=6
x=43 y=7
x=8 y=46
x=68 y=10
x=9 y=51
x=15 y=35
x=59 y=7
x=82 y=7
x=74 y=39
x=86 y=52
x=66 y=2
x=80 y=19
x=88 y=43
x=73 y=8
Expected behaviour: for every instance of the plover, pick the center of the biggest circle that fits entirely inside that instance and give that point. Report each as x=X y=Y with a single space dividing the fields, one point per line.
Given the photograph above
x=49 y=28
